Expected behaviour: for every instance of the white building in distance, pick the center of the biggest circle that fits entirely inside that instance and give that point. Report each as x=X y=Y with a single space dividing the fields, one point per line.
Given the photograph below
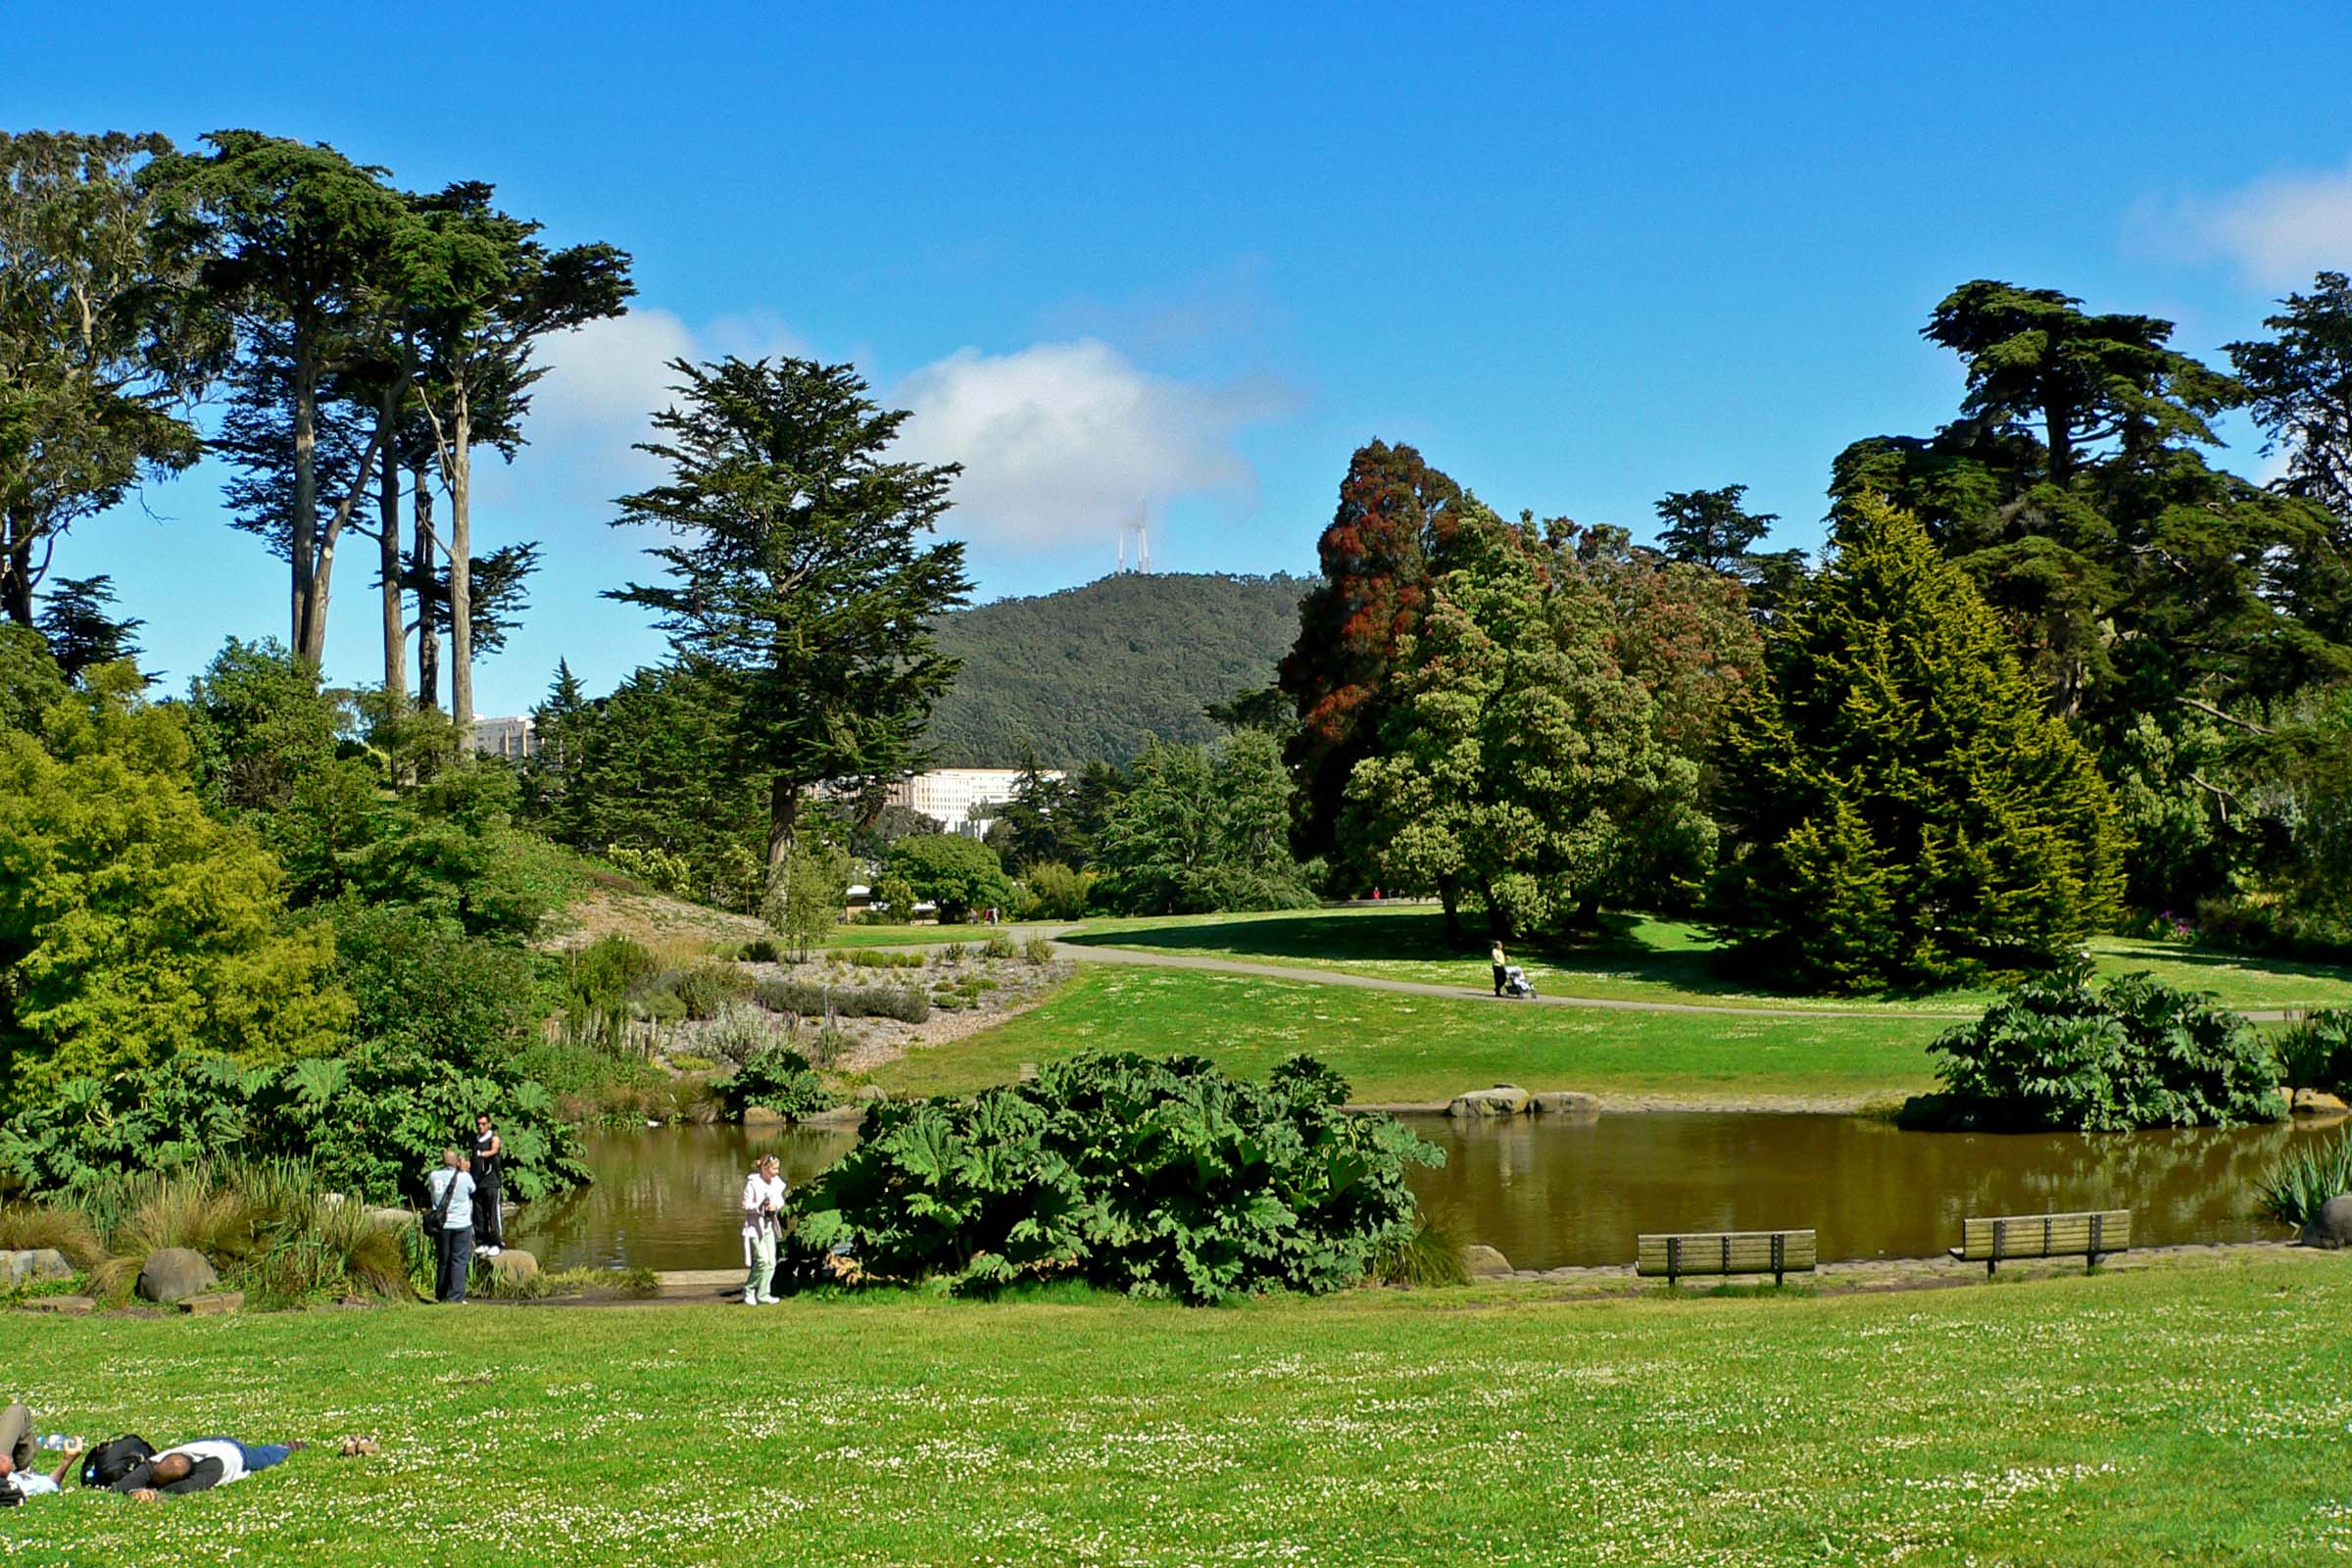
x=513 y=738
x=946 y=795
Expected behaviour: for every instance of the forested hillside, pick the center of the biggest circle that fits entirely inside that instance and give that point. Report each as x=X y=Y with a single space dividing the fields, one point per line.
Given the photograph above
x=1094 y=671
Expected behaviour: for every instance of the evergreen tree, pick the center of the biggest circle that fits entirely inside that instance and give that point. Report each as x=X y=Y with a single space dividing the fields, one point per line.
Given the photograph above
x=1710 y=529
x=76 y=619
x=802 y=580
x=1907 y=814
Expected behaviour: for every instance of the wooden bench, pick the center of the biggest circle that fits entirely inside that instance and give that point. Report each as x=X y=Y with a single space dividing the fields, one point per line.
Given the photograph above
x=1773 y=1252
x=2090 y=1236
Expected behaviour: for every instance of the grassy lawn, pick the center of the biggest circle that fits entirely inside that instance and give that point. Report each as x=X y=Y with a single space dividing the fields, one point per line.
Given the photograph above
x=1404 y=1047
x=2185 y=1414
x=1655 y=961
x=902 y=936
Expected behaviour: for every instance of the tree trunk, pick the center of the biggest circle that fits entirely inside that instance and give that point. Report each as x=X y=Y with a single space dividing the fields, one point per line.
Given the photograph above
x=1450 y=895
x=460 y=562
x=429 y=636
x=783 y=817
x=306 y=482
x=16 y=576
x=396 y=627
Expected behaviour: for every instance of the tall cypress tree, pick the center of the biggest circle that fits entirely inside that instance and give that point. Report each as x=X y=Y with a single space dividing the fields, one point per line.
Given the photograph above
x=804 y=579
x=1907 y=811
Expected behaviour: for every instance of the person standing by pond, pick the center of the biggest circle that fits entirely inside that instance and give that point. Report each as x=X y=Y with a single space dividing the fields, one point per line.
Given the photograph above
x=450 y=1222
x=1501 y=966
x=762 y=1225
x=489 y=1162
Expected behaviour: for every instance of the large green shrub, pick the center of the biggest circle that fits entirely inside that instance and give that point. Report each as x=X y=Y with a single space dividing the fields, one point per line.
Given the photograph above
x=2054 y=1053
x=1159 y=1176
x=373 y=1121
x=419 y=980
x=781 y=1080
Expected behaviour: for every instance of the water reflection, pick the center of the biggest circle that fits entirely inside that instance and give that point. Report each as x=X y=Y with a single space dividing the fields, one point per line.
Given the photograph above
x=667 y=1196
x=1552 y=1193
x=1555 y=1191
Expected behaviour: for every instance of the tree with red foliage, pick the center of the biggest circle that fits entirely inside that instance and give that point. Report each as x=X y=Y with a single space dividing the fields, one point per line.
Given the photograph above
x=1395 y=530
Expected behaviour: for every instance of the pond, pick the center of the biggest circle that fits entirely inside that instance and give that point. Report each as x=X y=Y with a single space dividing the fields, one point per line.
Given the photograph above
x=1556 y=1190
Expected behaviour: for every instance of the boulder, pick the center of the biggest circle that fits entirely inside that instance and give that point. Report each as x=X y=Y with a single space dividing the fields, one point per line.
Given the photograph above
x=868 y=1094
x=763 y=1116
x=61 y=1306
x=391 y=1218
x=176 y=1273
x=2332 y=1226
x=513 y=1268
x=35 y=1263
x=1485 y=1262
x=835 y=1116
x=1565 y=1103
x=214 y=1304
x=1503 y=1100
x=2318 y=1103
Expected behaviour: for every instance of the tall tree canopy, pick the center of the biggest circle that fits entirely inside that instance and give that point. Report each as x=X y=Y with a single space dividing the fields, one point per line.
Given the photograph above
x=1519 y=763
x=1906 y=812
x=804 y=579
x=1396 y=528
x=104 y=342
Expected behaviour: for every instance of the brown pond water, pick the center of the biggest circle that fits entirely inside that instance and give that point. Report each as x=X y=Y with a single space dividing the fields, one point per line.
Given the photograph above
x=1555 y=1191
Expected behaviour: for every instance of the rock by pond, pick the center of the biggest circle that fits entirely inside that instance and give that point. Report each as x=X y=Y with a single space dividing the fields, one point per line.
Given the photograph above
x=35 y=1263
x=1503 y=1100
x=2332 y=1227
x=172 y=1274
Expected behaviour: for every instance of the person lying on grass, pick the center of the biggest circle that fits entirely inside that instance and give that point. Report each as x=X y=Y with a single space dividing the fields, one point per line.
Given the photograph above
x=197 y=1466
x=19 y=1478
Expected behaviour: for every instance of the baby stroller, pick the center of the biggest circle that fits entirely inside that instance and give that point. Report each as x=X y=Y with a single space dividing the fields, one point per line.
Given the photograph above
x=1515 y=983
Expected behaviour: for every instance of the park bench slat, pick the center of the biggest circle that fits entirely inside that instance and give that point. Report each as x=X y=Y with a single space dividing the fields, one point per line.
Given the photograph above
x=1993 y=1239
x=1724 y=1252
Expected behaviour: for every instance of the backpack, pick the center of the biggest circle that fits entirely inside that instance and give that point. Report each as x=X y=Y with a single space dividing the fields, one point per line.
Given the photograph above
x=112 y=1460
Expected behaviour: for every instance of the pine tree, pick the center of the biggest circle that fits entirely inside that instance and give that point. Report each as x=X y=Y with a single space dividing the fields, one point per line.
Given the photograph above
x=1907 y=811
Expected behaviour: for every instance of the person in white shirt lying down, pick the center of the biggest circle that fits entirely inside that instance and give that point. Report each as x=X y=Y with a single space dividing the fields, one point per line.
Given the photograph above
x=200 y=1465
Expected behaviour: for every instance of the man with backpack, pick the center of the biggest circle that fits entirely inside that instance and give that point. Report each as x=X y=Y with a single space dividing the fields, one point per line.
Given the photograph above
x=450 y=1222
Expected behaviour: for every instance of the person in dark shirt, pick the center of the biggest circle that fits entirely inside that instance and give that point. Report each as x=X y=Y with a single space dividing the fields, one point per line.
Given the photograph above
x=200 y=1466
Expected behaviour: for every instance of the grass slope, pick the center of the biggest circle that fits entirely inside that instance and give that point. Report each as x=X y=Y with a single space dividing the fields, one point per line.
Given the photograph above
x=1642 y=960
x=2184 y=1414
x=1403 y=1048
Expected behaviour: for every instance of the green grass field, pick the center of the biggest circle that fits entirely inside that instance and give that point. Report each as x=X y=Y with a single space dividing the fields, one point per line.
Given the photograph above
x=1405 y=1047
x=1642 y=960
x=2190 y=1414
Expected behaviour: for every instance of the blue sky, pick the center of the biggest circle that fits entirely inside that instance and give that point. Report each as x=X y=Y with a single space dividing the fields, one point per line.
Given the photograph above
x=1189 y=260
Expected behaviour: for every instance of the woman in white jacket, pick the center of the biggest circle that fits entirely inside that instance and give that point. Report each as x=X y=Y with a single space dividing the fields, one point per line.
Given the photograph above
x=762 y=1224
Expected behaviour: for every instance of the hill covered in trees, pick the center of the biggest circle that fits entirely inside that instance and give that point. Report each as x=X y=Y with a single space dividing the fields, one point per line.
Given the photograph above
x=1094 y=671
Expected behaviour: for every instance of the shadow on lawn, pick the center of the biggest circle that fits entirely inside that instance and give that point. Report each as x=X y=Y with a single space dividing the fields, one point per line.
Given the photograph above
x=1625 y=947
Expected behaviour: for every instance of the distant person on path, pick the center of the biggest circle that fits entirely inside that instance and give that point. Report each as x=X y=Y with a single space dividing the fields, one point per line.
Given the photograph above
x=201 y=1466
x=451 y=1223
x=19 y=1478
x=489 y=1171
x=762 y=1224
x=1500 y=965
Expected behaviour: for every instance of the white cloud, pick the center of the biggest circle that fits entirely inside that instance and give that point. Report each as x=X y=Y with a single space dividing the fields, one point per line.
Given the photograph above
x=1062 y=441
x=2279 y=229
